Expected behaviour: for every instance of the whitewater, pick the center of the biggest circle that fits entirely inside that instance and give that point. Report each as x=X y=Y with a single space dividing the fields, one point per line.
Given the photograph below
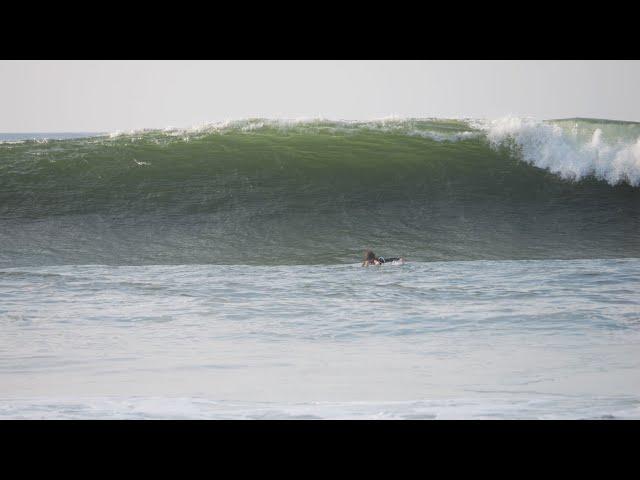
x=213 y=271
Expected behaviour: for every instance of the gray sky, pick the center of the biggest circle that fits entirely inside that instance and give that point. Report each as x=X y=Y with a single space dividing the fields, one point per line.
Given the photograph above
x=50 y=96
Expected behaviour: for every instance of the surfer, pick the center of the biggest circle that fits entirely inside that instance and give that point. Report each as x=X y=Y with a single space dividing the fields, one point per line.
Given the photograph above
x=370 y=258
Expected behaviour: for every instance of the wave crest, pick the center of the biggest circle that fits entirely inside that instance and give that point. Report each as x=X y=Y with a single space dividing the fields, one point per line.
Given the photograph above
x=566 y=153
x=573 y=149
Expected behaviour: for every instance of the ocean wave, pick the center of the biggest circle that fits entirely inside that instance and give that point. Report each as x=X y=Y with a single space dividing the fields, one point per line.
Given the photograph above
x=278 y=191
x=550 y=146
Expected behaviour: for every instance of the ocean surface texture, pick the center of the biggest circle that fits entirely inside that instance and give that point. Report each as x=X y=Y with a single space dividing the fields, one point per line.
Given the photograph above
x=214 y=272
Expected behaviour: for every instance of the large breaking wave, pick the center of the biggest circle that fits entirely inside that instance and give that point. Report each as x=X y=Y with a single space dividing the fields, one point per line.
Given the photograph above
x=263 y=191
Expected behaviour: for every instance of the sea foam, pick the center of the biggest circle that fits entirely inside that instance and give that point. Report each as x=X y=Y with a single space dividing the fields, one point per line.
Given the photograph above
x=547 y=145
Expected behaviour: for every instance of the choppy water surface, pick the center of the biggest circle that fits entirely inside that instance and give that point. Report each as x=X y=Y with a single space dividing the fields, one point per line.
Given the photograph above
x=482 y=339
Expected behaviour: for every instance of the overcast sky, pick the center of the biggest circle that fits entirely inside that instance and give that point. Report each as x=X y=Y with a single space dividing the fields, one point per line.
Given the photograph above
x=58 y=96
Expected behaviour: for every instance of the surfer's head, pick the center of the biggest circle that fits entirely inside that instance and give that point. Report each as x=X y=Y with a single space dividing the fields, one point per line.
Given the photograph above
x=369 y=256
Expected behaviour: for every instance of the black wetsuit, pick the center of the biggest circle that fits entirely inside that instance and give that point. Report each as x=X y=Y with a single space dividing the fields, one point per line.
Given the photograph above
x=388 y=260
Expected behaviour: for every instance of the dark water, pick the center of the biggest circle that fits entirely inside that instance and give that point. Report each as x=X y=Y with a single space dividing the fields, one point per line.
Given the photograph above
x=318 y=192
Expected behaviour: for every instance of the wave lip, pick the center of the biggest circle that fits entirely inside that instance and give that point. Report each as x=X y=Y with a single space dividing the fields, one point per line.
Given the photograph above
x=573 y=149
x=430 y=128
x=565 y=153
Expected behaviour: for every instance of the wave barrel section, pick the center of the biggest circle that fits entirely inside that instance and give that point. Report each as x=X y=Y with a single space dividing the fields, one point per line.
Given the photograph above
x=267 y=192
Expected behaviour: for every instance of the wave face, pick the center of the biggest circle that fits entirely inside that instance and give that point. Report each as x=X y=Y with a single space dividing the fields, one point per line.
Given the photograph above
x=317 y=191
